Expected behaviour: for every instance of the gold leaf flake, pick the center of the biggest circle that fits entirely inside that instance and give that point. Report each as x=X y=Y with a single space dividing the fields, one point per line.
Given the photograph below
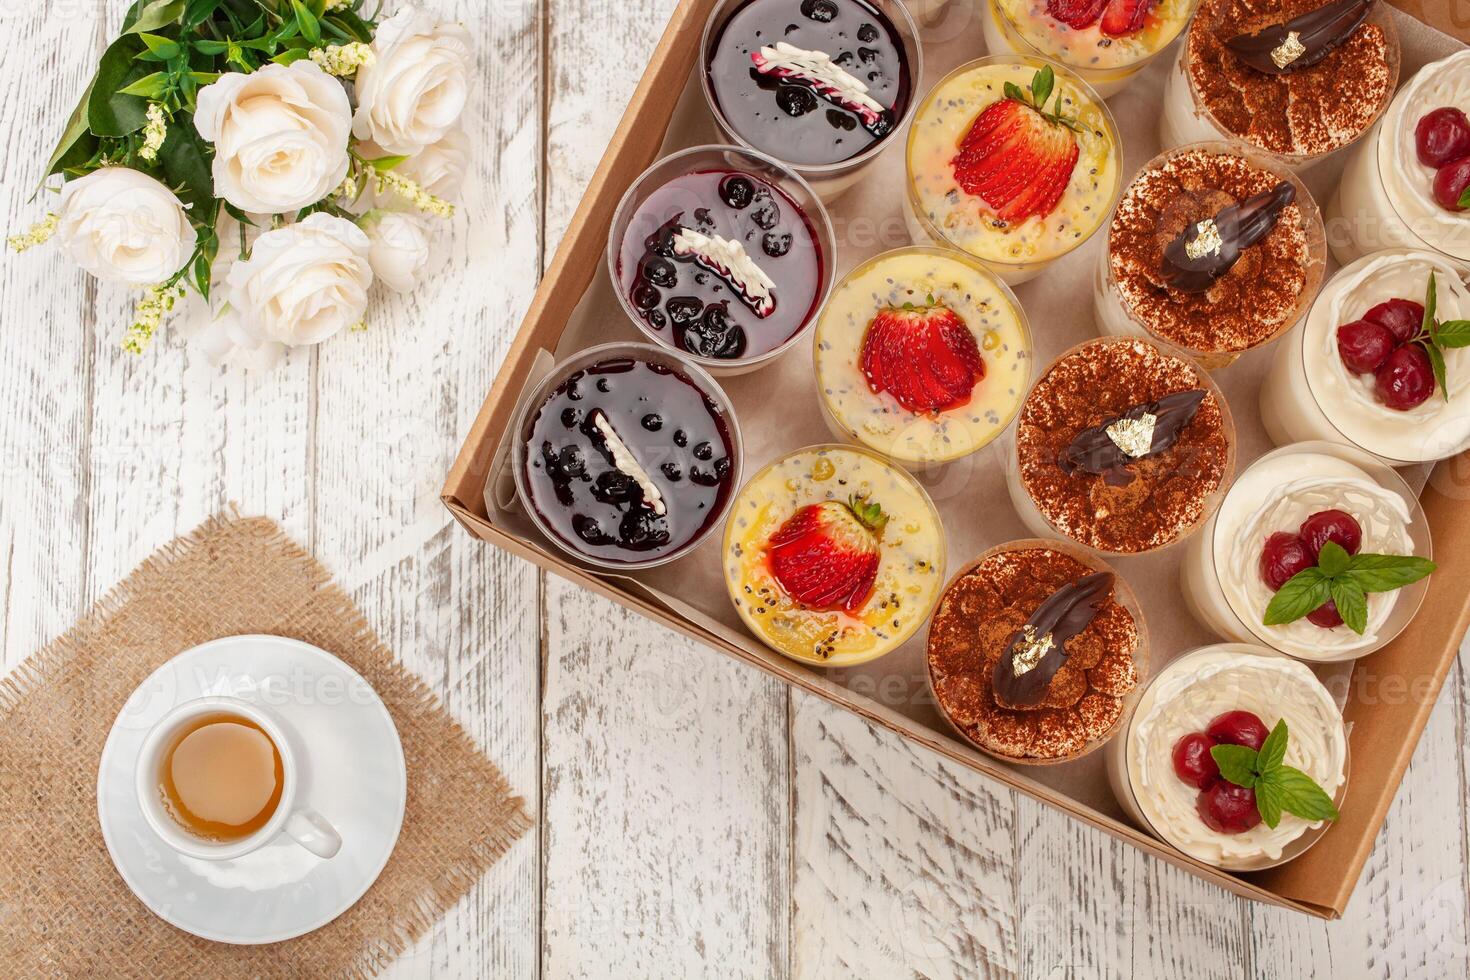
x=1030 y=651
x=1288 y=50
x=1206 y=241
x=1135 y=437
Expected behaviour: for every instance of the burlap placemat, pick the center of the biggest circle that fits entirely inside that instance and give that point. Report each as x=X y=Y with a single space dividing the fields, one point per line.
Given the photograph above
x=64 y=911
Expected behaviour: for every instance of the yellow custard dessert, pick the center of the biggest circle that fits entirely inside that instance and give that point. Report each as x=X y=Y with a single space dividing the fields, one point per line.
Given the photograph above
x=922 y=355
x=833 y=556
x=1089 y=37
x=1014 y=161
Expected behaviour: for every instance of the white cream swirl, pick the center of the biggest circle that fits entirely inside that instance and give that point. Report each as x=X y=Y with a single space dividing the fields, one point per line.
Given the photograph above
x=1409 y=183
x=1190 y=692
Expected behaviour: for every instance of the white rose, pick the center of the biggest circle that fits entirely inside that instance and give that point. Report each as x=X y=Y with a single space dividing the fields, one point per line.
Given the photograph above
x=402 y=248
x=124 y=226
x=302 y=283
x=414 y=91
x=279 y=134
x=439 y=168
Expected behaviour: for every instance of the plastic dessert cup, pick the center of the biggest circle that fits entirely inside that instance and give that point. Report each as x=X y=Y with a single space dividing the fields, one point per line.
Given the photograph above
x=626 y=456
x=1310 y=393
x=1221 y=574
x=1075 y=471
x=821 y=85
x=1298 y=118
x=908 y=323
x=821 y=501
x=1268 y=289
x=1386 y=198
x=1106 y=62
x=982 y=617
x=1184 y=697
x=939 y=211
x=723 y=255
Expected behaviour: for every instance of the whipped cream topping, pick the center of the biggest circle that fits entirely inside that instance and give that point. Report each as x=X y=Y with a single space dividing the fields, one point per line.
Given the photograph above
x=1409 y=183
x=1433 y=430
x=1185 y=697
x=624 y=461
x=829 y=79
x=729 y=260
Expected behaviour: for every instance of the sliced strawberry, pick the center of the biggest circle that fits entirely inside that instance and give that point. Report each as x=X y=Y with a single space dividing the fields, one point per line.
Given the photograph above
x=924 y=356
x=1017 y=160
x=1076 y=14
x=1126 y=17
x=826 y=555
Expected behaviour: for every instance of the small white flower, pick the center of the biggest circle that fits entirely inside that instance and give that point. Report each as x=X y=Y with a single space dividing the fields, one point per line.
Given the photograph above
x=154 y=132
x=156 y=303
x=123 y=226
x=342 y=60
x=402 y=250
x=414 y=91
x=389 y=181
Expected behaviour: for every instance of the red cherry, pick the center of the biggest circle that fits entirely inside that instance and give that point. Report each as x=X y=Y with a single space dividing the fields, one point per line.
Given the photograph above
x=1238 y=728
x=1450 y=182
x=1363 y=345
x=1227 y=808
x=1325 y=616
x=1331 y=525
x=1405 y=379
x=1403 y=317
x=1193 y=762
x=1442 y=137
x=1285 y=554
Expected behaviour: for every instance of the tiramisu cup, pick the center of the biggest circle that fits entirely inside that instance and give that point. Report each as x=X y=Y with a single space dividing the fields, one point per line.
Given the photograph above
x=1213 y=250
x=923 y=355
x=1361 y=370
x=1273 y=525
x=1106 y=42
x=1035 y=652
x=833 y=556
x=1405 y=185
x=1012 y=160
x=1123 y=446
x=1227 y=701
x=1296 y=79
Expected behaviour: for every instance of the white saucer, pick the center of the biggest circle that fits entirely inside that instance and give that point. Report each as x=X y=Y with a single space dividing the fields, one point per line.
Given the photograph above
x=356 y=780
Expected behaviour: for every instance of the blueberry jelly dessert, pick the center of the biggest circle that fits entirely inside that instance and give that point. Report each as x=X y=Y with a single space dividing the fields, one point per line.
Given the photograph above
x=628 y=457
x=722 y=255
x=815 y=83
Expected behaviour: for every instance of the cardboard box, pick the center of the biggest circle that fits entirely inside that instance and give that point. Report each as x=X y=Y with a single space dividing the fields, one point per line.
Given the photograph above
x=1388 y=698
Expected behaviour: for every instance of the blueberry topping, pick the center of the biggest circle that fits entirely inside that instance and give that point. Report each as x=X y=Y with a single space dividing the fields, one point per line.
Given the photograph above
x=681 y=438
x=590 y=531
x=642 y=529
x=702 y=216
x=838 y=119
x=867 y=55
x=672 y=472
x=821 y=11
x=571 y=417
x=661 y=242
x=645 y=296
x=796 y=100
x=737 y=191
x=867 y=33
x=653 y=421
x=776 y=243
x=704 y=451
x=714 y=334
x=660 y=272
x=722 y=467
x=766 y=215
x=616 y=487
x=683 y=309
x=657 y=320
x=603 y=385
x=703 y=478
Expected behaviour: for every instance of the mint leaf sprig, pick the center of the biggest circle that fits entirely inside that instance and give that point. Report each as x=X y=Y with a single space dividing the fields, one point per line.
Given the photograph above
x=1346 y=580
x=1465 y=198
x=1278 y=787
x=1042 y=84
x=1436 y=337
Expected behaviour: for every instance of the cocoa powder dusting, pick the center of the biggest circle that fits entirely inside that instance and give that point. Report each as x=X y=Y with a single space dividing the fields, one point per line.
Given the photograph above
x=973 y=626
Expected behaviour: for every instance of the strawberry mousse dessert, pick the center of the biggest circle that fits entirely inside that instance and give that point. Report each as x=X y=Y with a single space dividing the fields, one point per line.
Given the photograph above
x=1235 y=755
x=923 y=355
x=1408 y=184
x=628 y=456
x=1213 y=250
x=1013 y=161
x=1295 y=79
x=833 y=556
x=1380 y=362
x=1106 y=42
x=1035 y=652
x=1123 y=446
x=723 y=255
x=821 y=85
x=1319 y=551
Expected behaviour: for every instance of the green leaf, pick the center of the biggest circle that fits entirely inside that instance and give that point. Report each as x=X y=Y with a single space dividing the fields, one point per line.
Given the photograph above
x=72 y=139
x=211 y=47
x=1436 y=362
x=110 y=112
x=161 y=47
x=290 y=55
x=1332 y=558
x=197 y=12
x=1384 y=573
x=184 y=159
x=1453 y=334
x=311 y=28
x=151 y=16
x=1352 y=604
x=1013 y=91
x=1237 y=763
x=1268 y=802
x=1431 y=301
x=148 y=87
x=1464 y=201
x=1301 y=795
x=1302 y=593
x=384 y=164
x=1273 y=749
x=1042 y=85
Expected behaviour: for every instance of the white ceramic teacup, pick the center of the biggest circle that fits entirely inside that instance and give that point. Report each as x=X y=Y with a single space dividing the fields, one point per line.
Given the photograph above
x=299 y=822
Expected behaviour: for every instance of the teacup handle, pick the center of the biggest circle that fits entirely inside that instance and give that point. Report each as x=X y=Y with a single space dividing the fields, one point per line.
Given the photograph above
x=310 y=829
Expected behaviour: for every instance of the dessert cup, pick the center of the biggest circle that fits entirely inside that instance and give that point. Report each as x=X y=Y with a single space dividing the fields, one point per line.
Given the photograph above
x=1107 y=63
x=1123 y=446
x=982 y=617
x=1386 y=199
x=1309 y=392
x=825 y=122
x=1184 y=697
x=940 y=211
x=1256 y=300
x=729 y=284
x=833 y=486
x=673 y=429
x=1221 y=574
x=891 y=333
x=1298 y=118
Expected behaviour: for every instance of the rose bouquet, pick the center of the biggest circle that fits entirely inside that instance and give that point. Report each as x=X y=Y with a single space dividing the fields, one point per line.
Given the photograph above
x=275 y=156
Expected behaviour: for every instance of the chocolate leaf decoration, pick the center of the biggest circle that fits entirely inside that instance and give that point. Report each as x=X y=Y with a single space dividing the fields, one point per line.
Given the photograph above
x=1302 y=41
x=1207 y=249
x=1097 y=450
x=1039 y=649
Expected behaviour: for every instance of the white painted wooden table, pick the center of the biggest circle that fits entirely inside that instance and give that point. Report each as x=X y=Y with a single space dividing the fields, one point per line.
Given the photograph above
x=695 y=817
